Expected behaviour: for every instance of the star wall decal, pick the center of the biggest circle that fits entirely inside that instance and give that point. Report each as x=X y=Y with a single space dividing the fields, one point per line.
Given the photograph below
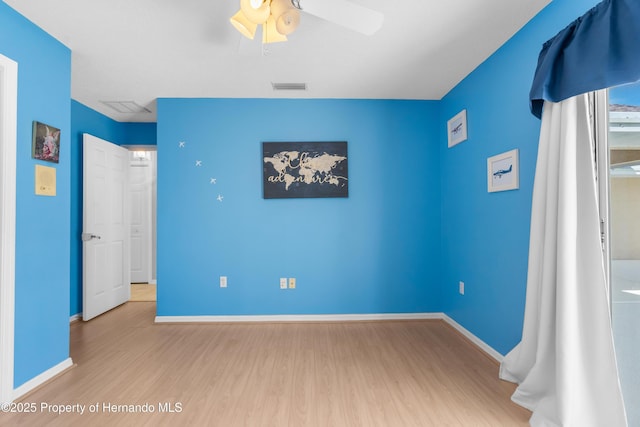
x=199 y=163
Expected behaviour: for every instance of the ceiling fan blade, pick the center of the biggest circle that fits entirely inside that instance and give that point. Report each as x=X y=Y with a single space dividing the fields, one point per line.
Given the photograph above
x=343 y=12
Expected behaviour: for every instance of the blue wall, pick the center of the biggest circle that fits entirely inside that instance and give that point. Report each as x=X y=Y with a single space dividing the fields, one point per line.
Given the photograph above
x=418 y=218
x=376 y=251
x=87 y=120
x=42 y=223
x=139 y=134
x=486 y=235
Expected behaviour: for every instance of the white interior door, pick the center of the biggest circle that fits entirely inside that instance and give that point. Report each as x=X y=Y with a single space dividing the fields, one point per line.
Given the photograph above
x=140 y=195
x=105 y=235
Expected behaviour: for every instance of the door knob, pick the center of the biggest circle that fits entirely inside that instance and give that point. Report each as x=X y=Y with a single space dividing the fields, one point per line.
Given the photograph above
x=88 y=236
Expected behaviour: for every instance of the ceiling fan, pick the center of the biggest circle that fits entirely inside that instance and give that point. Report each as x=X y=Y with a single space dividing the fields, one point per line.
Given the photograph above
x=280 y=18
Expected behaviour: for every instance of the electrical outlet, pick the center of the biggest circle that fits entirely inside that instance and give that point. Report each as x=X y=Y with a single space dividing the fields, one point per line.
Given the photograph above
x=283 y=283
x=292 y=282
x=461 y=288
x=223 y=281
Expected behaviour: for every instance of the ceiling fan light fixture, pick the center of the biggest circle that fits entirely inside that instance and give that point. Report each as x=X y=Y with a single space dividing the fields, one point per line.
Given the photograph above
x=287 y=22
x=270 y=33
x=287 y=17
x=278 y=7
x=244 y=25
x=257 y=15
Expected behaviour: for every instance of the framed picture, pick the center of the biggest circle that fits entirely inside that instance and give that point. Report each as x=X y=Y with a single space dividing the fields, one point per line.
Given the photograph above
x=45 y=143
x=305 y=169
x=503 y=172
x=457 y=128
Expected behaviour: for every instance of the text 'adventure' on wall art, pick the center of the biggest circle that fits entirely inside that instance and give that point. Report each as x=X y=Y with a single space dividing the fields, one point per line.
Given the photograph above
x=305 y=169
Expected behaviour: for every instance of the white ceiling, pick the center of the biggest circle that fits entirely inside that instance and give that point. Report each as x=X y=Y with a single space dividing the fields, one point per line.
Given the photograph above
x=141 y=50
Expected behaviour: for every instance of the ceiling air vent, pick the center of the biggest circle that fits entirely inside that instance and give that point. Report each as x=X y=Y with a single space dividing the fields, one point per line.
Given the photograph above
x=289 y=86
x=126 y=107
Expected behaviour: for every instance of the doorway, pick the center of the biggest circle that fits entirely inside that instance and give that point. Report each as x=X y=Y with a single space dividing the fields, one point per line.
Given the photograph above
x=624 y=238
x=142 y=190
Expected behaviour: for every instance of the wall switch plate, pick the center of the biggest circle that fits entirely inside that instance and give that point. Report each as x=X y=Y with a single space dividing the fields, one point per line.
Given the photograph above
x=223 y=281
x=292 y=282
x=461 y=288
x=283 y=283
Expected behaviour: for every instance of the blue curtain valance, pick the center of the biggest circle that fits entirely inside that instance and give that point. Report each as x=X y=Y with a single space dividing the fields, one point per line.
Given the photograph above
x=601 y=49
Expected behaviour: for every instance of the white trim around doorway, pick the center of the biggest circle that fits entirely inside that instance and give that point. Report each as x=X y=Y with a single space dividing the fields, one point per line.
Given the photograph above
x=8 y=137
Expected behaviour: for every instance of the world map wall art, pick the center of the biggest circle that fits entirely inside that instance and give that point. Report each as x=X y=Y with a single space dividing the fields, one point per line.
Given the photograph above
x=305 y=169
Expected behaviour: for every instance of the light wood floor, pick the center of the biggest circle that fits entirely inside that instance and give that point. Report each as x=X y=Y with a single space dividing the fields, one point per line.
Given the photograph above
x=143 y=292
x=413 y=373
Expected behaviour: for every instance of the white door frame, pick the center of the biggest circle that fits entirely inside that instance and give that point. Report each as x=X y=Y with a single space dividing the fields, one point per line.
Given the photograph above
x=601 y=119
x=8 y=137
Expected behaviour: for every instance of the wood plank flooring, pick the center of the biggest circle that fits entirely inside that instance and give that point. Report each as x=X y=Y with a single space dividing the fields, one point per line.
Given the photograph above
x=409 y=373
x=143 y=292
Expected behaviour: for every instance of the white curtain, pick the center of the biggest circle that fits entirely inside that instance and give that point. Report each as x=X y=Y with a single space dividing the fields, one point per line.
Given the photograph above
x=565 y=364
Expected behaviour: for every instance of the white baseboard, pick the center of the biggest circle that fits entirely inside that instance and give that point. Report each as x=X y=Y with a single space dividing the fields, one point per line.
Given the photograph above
x=337 y=318
x=299 y=318
x=474 y=339
x=42 y=378
x=75 y=317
